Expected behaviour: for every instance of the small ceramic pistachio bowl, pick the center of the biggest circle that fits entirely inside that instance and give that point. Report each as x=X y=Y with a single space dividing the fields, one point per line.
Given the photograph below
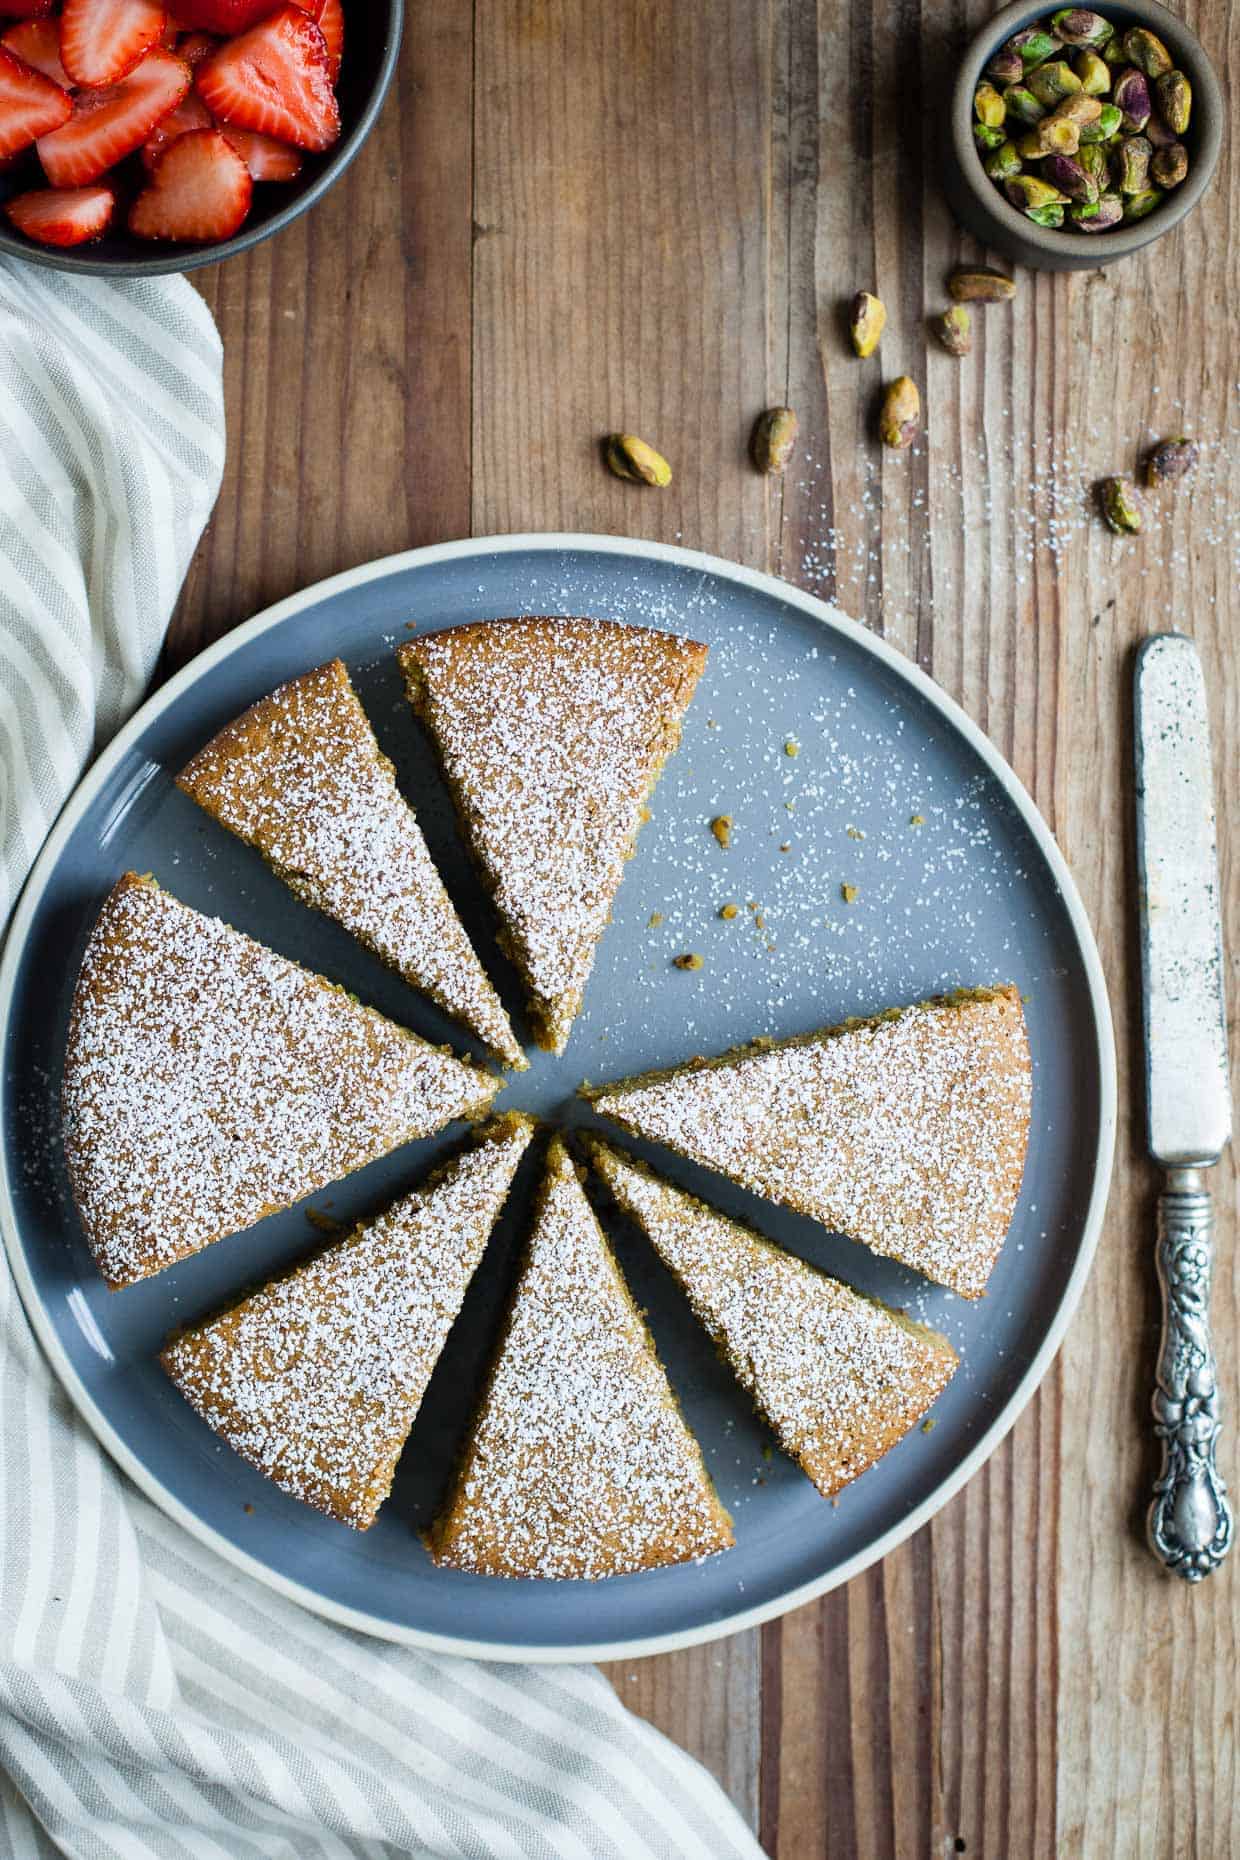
x=1081 y=135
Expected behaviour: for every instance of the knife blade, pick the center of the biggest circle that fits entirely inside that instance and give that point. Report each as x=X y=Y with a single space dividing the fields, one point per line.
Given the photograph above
x=1188 y=1097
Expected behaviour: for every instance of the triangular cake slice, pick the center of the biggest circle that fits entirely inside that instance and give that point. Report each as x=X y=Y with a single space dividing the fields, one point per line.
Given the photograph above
x=579 y=1463
x=317 y=1378
x=301 y=777
x=209 y=1082
x=907 y=1131
x=552 y=734
x=839 y=1378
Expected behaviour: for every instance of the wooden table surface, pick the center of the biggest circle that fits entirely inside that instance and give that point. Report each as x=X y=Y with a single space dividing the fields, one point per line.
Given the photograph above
x=575 y=217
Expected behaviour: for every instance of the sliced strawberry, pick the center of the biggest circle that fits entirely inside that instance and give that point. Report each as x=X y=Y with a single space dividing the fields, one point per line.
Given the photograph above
x=191 y=113
x=110 y=123
x=37 y=43
x=102 y=40
x=266 y=159
x=201 y=189
x=193 y=47
x=62 y=216
x=275 y=79
x=25 y=9
x=223 y=16
x=331 y=25
x=30 y=104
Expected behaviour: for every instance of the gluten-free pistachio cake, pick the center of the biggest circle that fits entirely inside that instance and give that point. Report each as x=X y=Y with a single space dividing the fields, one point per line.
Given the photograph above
x=209 y=1082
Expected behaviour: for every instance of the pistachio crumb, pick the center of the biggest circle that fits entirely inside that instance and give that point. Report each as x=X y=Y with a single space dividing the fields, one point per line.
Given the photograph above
x=854 y=833
x=792 y=747
x=759 y=921
x=721 y=827
x=917 y=820
x=786 y=846
x=927 y=1426
x=848 y=893
x=654 y=920
x=690 y=960
x=248 y=1509
x=728 y=912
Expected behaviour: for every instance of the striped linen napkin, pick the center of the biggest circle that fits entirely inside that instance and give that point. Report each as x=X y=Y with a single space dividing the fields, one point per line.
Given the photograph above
x=155 y=1704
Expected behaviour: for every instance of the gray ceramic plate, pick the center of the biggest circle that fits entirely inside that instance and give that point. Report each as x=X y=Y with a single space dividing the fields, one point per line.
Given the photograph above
x=975 y=893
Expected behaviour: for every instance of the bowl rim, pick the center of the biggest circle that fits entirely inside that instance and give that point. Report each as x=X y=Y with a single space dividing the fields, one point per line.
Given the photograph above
x=192 y=258
x=1100 y=248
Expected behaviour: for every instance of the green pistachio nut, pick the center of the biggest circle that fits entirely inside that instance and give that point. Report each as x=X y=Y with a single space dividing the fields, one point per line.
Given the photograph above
x=988 y=139
x=1174 y=95
x=1131 y=94
x=1121 y=507
x=1068 y=175
x=1112 y=53
x=1006 y=66
x=1077 y=26
x=1055 y=135
x=978 y=285
x=954 y=329
x=1169 y=461
x=1094 y=72
x=1079 y=109
x=631 y=457
x=988 y=106
x=1131 y=167
x=1035 y=44
x=1049 y=215
x=1052 y=82
x=1022 y=105
x=1004 y=162
x=1106 y=125
x=773 y=440
x=1169 y=166
x=900 y=418
x=1097 y=215
x=1136 y=206
x=1146 y=51
x=867 y=320
x=1030 y=191
x=1096 y=165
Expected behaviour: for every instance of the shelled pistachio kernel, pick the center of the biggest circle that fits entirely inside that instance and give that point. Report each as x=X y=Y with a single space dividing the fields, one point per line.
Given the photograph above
x=1136 y=206
x=848 y=893
x=900 y=416
x=1005 y=161
x=690 y=960
x=773 y=440
x=1107 y=125
x=1131 y=95
x=1093 y=71
x=1146 y=51
x=1169 y=166
x=1131 y=166
x=1121 y=507
x=954 y=329
x=1051 y=83
x=988 y=106
x=1170 y=460
x=1174 y=95
x=988 y=140
x=1099 y=215
x=1077 y=26
x=1021 y=105
x=979 y=285
x=729 y=911
x=1031 y=193
x=721 y=827
x=632 y=458
x=868 y=316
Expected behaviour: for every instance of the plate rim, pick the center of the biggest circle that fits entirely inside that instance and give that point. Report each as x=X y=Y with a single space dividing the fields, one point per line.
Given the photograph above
x=553 y=542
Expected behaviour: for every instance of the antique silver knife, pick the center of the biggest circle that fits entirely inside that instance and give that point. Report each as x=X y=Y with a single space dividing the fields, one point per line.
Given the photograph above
x=1188 y=1101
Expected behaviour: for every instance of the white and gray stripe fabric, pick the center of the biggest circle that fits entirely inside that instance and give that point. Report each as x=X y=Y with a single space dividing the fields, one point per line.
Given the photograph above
x=155 y=1703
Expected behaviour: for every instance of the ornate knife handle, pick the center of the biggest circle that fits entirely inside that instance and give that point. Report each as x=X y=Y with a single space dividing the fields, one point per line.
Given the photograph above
x=1190 y=1518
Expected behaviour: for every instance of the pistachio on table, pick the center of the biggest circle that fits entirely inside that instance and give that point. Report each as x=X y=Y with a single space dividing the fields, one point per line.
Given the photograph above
x=900 y=418
x=868 y=316
x=1169 y=165
x=1170 y=460
x=1121 y=507
x=954 y=329
x=978 y=285
x=630 y=457
x=773 y=440
x=1174 y=94
x=1146 y=51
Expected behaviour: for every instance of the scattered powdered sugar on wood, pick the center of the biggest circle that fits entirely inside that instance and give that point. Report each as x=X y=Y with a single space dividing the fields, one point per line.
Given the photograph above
x=837 y=1377
x=907 y=1132
x=552 y=732
x=301 y=777
x=317 y=1378
x=209 y=1082
x=579 y=1464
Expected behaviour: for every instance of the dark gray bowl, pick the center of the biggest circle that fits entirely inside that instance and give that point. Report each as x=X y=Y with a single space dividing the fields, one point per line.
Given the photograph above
x=371 y=46
x=982 y=209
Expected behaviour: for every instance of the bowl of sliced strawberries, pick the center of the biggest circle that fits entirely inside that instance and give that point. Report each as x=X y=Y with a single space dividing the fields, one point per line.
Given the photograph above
x=138 y=137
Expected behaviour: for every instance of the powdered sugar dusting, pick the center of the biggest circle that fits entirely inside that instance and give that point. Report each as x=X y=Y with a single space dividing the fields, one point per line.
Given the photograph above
x=579 y=1463
x=301 y=777
x=209 y=1082
x=552 y=733
x=907 y=1131
x=317 y=1378
x=838 y=1378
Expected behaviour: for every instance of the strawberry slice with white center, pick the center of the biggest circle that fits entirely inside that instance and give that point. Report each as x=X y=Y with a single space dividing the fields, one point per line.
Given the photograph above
x=328 y=15
x=102 y=40
x=201 y=189
x=275 y=79
x=191 y=113
x=266 y=159
x=62 y=216
x=108 y=124
x=37 y=43
x=30 y=104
